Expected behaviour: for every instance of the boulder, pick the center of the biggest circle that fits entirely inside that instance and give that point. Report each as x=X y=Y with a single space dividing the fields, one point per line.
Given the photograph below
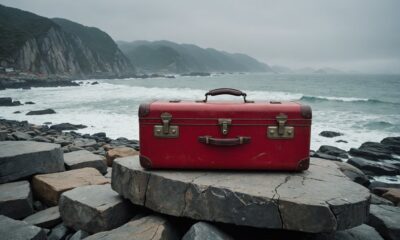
x=41 y=139
x=374 y=168
x=3 y=135
x=375 y=199
x=375 y=184
x=391 y=194
x=393 y=143
x=333 y=151
x=326 y=156
x=118 y=153
x=367 y=154
x=376 y=147
x=84 y=158
x=23 y=158
x=19 y=230
x=330 y=134
x=67 y=126
x=355 y=174
x=21 y=136
x=385 y=219
x=362 y=232
x=94 y=208
x=6 y=101
x=79 y=235
x=203 y=230
x=49 y=187
x=84 y=142
x=16 y=199
x=47 y=218
x=29 y=102
x=41 y=112
x=145 y=228
x=320 y=199
x=59 y=232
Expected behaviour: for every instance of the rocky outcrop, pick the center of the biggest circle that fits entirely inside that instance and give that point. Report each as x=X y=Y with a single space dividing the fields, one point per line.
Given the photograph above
x=321 y=199
x=24 y=158
x=330 y=134
x=374 y=168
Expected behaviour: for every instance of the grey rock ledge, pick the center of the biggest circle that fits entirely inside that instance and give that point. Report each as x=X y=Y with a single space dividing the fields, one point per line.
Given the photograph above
x=320 y=199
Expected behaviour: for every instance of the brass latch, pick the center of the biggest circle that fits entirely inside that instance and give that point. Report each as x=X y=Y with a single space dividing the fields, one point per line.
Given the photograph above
x=224 y=124
x=281 y=131
x=166 y=130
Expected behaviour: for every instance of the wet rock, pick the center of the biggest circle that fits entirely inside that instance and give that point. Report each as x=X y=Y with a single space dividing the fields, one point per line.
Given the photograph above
x=16 y=199
x=100 y=135
x=29 y=102
x=385 y=219
x=333 y=151
x=118 y=153
x=6 y=101
x=374 y=168
x=59 y=232
x=84 y=158
x=145 y=228
x=41 y=112
x=47 y=218
x=67 y=126
x=21 y=136
x=369 y=154
x=376 y=147
x=330 y=134
x=362 y=232
x=320 y=199
x=49 y=187
x=375 y=184
x=24 y=158
x=326 y=156
x=19 y=230
x=202 y=230
x=94 y=208
x=16 y=112
x=355 y=174
x=3 y=135
x=393 y=143
x=79 y=235
x=341 y=141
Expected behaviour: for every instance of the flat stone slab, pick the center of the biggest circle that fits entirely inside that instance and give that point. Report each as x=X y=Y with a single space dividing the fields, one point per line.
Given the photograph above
x=19 y=230
x=94 y=208
x=84 y=158
x=16 y=199
x=145 y=228
x=49 y=187
x=47 y=218
x=386 y=220
x=21 y=159
x=320 y=199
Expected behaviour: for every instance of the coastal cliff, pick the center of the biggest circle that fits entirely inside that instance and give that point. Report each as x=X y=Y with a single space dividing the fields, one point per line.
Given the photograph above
x=39 y=45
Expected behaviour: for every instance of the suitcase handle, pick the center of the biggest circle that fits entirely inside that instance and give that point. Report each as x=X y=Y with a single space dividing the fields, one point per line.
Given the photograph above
x=224 y=141
x=229 y=91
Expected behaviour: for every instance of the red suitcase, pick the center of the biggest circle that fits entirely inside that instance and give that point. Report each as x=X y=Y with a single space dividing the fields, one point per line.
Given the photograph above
x=225 y=135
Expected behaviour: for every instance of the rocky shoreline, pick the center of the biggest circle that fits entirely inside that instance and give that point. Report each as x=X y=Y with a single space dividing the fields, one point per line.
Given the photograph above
x=66 y=185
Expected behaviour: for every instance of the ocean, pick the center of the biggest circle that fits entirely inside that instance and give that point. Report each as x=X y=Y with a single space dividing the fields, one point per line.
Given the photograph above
x=362 y=107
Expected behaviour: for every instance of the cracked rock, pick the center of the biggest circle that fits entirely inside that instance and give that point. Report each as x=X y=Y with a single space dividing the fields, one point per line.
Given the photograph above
x=320 y=199
x=145 y=228
x=94 y=208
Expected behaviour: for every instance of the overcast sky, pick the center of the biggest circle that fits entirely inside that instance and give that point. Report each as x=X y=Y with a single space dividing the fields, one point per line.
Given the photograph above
x=361 y=35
